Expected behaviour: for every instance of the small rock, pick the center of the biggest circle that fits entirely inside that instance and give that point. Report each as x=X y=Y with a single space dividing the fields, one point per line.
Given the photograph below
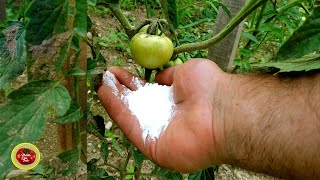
x=94 y=150
x=109 y=139
x=89 y=35
x=99 y=145
x=108 y=125
x=99 y=35
x=126 y=13
x=89 y=144
x=129 y=60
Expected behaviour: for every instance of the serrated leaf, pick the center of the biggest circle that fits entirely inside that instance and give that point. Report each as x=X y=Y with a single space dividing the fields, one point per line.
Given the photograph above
x=74 y=114
x=71 y=157
x=304 y=40
x=23 y=117
x=250 y=36
x=77 y=72
x=80 y=19
x=12 y=53
x=307 y=63
x=104 y=151
x=138 y=157
x=206 y=174
x=46 y=17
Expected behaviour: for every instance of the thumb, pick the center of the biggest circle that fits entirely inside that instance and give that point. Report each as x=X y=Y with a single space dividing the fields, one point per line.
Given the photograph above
x=166 y=76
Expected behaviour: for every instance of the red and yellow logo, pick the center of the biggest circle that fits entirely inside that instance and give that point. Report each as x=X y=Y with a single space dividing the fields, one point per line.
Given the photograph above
x=25 y=156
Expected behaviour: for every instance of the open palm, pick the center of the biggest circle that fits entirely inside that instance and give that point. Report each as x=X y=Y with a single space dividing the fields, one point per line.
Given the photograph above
x=193 y=139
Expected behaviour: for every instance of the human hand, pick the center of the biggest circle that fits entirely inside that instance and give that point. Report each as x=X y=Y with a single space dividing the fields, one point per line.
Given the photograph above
x=194 y=138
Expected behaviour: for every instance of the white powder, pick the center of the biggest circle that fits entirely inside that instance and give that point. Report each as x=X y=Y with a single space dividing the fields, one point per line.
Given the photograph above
x=110 y=80
x=152 y=104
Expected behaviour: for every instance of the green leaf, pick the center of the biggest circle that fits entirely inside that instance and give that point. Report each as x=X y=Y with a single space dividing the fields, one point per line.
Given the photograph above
x=113 y=2
x=46 y=17
x=206 y=174
x=74 y=114
x=307 y=63
x=172 y=10
x=77 y=72
x=95 y=173
x=138 y=157
x=125 y=142
x=71 y=157
x=115 y=144
x=12 y=53
x=303 y=41
x=23 y=117
x=104 y=151
x=91 y=2
x=103 y=44
x=80 y=19
x=250 y=36
x=166 y=174
x=226 y=9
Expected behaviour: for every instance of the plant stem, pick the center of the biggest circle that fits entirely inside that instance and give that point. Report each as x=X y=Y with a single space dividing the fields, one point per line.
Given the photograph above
x=244 y=12
x=256 y=26
x=110 y=165
x=289 y=5
x=115 y=9
x=123 y=169
x=147 y=74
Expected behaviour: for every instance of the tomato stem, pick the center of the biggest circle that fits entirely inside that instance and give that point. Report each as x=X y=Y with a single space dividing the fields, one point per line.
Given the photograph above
x=147 y=74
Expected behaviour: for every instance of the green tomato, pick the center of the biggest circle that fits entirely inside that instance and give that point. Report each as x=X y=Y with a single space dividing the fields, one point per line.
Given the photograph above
x=151 y=51
x=169 y=64
x=178 y=61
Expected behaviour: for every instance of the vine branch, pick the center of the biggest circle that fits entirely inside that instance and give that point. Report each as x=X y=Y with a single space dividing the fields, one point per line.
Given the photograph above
x=244 y=12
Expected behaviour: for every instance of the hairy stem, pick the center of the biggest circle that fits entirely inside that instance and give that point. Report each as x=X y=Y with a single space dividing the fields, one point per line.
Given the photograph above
x=256 y=26
x=115 y=9
x=289 y=5
x=245 y=11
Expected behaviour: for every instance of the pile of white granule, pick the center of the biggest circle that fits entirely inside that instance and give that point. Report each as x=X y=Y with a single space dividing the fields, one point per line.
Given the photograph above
x=152 y=104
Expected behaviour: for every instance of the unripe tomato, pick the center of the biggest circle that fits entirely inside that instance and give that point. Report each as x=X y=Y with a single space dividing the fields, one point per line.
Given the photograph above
x=25 y=156
x=169 y=64
x=178 y=61
x=151 y=51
